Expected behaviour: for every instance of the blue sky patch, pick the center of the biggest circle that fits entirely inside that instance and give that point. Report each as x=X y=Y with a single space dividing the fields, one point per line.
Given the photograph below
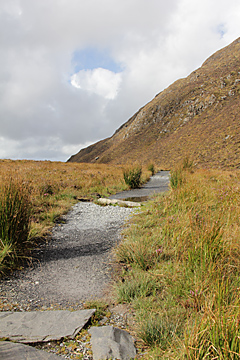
x=90 y=58
x=221 y=29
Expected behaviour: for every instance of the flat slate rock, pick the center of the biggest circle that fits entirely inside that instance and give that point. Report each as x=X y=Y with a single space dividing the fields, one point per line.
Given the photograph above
x=104 y=201
x=109 y=342
x=15 y=351
x=41 y=326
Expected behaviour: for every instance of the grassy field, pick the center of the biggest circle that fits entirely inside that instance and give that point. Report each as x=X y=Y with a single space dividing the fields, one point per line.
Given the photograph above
x=180 y=262
x=180 y=256
x=34 y=195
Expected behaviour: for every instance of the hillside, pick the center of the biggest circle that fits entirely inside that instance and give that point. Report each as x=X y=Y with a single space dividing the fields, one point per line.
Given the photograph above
x=196 y=117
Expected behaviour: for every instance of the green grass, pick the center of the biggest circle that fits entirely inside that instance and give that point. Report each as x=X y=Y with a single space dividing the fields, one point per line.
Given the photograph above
x=176 y=178
x=101 y=309
x=137 y=285
x=159 y=330
x=186 y=245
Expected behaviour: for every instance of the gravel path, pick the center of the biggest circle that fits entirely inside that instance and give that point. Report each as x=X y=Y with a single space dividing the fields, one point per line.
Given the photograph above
x=157 y=183
x=75 y=265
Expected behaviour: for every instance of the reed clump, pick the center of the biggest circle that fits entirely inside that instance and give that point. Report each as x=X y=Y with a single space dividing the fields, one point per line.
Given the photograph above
x=15 y=215
x=132 y=176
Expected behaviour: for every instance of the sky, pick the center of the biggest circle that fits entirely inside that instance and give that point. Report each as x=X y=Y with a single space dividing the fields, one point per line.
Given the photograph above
x=73 y=71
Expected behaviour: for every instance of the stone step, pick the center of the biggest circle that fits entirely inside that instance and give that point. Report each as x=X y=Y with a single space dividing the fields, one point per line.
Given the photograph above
x=29 y=327
x=15 y=351
x=40 y=326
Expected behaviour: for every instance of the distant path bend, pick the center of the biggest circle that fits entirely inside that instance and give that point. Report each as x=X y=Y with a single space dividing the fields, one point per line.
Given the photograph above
x=157 y=184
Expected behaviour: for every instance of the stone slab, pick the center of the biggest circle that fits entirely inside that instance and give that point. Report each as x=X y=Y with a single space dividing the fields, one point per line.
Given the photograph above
x=16 y=351
x=109 y=342
x=40 y=326
x=104 y=201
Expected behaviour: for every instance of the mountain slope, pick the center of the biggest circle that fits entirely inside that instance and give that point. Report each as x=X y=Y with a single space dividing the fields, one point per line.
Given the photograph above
x=196 y=117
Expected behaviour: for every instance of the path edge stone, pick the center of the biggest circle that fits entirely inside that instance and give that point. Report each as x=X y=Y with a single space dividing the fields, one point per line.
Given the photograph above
x=110 y=342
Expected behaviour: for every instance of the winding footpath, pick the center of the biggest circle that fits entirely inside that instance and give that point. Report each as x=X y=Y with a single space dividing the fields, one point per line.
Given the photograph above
x=75 y=266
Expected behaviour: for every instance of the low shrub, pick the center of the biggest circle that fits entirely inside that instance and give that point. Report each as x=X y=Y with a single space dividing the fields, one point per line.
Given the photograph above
x=132 y=176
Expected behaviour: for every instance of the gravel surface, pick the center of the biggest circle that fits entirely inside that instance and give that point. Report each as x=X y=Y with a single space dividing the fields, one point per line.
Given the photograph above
x=157 y=184
x=75 y=265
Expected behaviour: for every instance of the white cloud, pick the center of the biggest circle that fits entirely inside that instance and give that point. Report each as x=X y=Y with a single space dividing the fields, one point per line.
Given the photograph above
x=73 y=149
x=43 y=116
x=99 y=81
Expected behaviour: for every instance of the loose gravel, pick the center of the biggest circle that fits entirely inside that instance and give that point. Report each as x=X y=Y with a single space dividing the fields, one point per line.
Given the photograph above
x=74 y=266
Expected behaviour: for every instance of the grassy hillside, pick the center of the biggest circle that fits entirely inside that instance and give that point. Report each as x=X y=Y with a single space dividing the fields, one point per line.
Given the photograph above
x=198 y=117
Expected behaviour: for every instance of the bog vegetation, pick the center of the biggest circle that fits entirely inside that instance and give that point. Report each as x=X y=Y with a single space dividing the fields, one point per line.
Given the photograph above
x=34 y=195
x=181 y=253
x=182 y=267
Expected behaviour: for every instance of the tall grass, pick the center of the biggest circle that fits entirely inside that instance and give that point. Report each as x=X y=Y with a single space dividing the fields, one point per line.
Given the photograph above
x=189 y=241
x=132 y=176
x=15 y=214
x=176 y=178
